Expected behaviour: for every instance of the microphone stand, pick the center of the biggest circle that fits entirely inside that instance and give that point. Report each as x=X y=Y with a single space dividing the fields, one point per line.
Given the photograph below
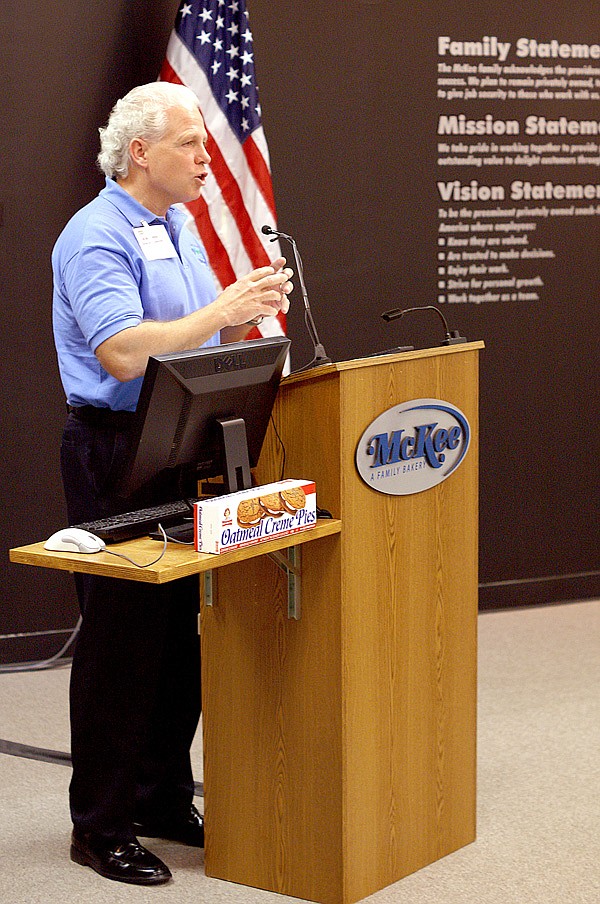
x=320 y=357
x=453 y=337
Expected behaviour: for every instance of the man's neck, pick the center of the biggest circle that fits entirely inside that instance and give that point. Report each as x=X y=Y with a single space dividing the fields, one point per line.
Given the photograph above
x=137 y=190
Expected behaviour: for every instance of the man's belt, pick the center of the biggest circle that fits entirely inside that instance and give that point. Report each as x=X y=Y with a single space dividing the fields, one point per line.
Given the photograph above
x=102 y=417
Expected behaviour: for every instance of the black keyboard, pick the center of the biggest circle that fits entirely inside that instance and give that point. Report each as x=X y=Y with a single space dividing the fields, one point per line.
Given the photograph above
x=129 y=525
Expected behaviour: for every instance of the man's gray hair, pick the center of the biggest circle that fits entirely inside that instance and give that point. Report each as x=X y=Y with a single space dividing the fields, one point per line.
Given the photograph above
x=142 y=113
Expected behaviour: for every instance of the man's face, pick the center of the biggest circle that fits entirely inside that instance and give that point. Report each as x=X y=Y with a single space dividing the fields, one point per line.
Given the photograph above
x=177 y=165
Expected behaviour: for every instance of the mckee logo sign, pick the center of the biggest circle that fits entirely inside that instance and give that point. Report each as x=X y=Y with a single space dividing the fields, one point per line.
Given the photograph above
x=413 y=447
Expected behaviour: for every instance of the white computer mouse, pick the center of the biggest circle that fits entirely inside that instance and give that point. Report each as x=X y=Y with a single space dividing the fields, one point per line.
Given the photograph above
x=74 y=539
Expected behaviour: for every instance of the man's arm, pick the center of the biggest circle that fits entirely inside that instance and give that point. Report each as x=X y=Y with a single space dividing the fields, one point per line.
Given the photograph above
x=261 y=293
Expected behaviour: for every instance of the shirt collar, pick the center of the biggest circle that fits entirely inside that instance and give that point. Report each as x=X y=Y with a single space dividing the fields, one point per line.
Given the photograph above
x=135 y=212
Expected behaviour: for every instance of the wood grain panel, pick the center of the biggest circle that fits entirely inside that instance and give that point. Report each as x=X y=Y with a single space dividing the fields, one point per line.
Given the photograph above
x=272 y=731
x=409 y=644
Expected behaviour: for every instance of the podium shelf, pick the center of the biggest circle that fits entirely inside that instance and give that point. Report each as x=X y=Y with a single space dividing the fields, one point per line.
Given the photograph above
x=178 y=561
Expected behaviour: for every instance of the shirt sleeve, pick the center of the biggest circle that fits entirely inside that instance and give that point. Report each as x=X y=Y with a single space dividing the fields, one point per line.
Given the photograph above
x=103 y=289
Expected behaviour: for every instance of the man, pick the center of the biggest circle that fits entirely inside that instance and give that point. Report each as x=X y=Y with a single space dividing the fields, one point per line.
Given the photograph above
x=130 y=281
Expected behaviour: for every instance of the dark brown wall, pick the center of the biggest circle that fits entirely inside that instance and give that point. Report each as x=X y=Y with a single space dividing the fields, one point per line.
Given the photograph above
x=348 y=113
x=63 y=66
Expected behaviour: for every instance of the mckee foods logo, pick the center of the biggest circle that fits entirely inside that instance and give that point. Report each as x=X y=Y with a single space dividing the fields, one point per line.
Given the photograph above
x=413 y=447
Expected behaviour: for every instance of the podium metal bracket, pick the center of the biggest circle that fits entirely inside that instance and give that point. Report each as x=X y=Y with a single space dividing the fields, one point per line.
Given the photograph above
x=290 y=563
x=208 y=587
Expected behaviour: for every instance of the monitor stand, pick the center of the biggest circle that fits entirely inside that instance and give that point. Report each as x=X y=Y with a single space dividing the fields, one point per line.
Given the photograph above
x=236 y=462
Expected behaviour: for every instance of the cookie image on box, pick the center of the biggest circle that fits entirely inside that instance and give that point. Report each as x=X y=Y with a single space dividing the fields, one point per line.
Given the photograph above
x=249 y=512
x=272 y=504
x=293 y=499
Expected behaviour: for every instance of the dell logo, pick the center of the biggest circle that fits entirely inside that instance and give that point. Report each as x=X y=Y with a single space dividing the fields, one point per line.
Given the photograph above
x=234 y=361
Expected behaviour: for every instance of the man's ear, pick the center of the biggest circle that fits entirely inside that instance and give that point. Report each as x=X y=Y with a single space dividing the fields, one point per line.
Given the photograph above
x=138 y=151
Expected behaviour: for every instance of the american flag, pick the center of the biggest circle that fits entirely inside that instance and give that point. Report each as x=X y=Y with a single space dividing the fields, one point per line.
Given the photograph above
x=210 y=50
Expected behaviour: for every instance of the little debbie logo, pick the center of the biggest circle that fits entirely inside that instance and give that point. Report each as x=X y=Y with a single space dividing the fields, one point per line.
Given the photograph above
x=413 y=447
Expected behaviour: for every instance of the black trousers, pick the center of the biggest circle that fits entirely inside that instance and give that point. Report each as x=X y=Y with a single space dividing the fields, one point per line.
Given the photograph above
x=135 y=682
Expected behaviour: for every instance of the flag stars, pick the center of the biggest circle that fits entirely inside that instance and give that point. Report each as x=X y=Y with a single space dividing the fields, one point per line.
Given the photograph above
x=222 y=43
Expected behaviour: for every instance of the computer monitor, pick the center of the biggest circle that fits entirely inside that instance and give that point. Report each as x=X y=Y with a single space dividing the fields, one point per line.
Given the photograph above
x=208 y=408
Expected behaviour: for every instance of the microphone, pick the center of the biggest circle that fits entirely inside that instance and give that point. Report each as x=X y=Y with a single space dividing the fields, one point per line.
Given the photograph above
x=453 y=337
x=319 y=352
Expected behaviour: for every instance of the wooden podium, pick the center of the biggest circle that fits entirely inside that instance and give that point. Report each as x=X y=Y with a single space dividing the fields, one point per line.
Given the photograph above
x=340 y=746
x=339 y=692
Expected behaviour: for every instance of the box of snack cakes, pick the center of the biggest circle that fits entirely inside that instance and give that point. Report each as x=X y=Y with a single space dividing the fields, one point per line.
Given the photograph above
x=252 y=516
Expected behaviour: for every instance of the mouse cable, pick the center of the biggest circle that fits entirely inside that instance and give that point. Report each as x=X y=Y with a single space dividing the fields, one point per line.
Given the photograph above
x=56 y=757
x=121 y=555
x=282 y=445
x=54 y=661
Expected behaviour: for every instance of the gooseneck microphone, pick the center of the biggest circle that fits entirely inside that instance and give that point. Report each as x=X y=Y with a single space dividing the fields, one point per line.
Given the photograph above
x=453 y=337
x=319 y=352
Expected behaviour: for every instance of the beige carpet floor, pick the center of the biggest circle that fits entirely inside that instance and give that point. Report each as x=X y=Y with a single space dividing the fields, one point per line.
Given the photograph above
x=538 y=784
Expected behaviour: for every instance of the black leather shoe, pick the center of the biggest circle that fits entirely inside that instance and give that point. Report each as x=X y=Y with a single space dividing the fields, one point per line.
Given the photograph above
x=188 y=829
x=128 y=862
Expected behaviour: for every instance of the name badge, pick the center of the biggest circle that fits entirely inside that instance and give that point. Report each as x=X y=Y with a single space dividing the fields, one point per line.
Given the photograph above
x=154 y=242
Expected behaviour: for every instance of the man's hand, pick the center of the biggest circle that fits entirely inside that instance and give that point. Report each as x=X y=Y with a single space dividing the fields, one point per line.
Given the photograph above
x=261 y=293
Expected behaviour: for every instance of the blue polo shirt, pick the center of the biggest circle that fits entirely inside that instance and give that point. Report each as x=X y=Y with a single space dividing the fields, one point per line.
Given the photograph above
x=103 y=283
